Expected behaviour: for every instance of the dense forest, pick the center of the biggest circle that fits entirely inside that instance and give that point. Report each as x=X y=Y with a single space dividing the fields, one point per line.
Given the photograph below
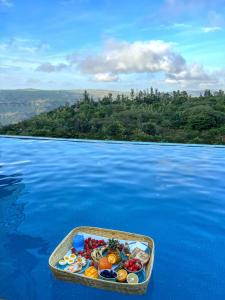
x=147 y=115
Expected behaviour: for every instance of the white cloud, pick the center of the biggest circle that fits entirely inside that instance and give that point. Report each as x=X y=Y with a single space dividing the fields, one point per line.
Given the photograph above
x=211 y=29
x=181 y=25
x=148 y=57
x=20 y=45
x=137 y=57
x=106 y=77
x=193 y=76
x=6 y=3
x=49 y=68
x=119 y=57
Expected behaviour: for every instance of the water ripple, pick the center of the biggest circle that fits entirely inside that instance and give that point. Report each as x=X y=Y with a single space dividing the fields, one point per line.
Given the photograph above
x=174 y=193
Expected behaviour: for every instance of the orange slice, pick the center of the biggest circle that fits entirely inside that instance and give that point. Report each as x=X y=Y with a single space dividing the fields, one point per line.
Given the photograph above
x=112 y=258
x=122 y=275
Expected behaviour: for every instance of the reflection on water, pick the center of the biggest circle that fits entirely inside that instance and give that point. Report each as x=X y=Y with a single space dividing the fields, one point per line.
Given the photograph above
x=23 y=255
x=11 y=212
x=19 y=260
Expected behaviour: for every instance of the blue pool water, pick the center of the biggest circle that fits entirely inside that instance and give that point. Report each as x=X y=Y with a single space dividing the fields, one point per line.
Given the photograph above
x=173 y=193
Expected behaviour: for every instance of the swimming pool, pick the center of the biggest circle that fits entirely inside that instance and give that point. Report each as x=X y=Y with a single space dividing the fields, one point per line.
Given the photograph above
x=173 y=193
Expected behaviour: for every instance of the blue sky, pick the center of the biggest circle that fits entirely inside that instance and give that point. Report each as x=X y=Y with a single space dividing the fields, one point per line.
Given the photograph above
x=106 y=44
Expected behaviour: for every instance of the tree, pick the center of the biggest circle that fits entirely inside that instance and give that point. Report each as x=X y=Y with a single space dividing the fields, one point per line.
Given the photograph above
x=86 y=96
x=207 y=93
x=132 y=94
x=114 y=129
x=149 y=128
x=150 y=116
x=203 y=117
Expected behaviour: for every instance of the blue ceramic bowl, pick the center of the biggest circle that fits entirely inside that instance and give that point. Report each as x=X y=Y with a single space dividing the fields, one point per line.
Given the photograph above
x=105 y=278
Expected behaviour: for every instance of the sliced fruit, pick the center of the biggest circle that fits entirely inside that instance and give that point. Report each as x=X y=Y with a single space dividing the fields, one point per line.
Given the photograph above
x=104 y=263
x=122 y=275
x=112 y=258
x=91 y=272
x=132 y=278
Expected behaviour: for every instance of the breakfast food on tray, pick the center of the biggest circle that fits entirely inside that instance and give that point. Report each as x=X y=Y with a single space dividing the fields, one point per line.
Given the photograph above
x=72 y=256
x=62 y=262
x=141 y=255
x=74 y=268
x=104 y=263
x=112 y=258
x=122 y=275
x=133 y=265
x=81 y=260
x=91 y=272
x=132 y=278
x=106 y=259
x=108 y=274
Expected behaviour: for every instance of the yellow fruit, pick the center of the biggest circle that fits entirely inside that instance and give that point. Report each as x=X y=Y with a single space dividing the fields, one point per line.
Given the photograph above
x=112 y=258
x=132 y=278
x=122 y=275
x=91 y=272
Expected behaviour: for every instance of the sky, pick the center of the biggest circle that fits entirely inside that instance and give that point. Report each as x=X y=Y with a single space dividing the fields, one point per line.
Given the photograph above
x=112 y=44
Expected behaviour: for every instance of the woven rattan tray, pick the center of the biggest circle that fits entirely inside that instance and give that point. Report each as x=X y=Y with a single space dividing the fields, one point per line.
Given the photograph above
x=66 y=244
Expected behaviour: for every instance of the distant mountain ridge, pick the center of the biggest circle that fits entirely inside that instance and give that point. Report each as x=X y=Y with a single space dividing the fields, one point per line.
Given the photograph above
x=21 y=104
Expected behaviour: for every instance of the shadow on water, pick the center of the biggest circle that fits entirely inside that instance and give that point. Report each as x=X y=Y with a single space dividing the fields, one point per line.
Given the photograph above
x=64 y=290
x=11 y=212
x=61 y=289
x=20 y=251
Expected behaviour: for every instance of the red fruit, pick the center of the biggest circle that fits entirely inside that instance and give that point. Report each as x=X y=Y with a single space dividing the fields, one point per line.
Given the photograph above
x=138 y=265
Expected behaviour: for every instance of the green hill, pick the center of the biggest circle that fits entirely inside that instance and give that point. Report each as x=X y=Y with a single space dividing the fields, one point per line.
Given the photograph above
x=18 y=105
x=146 y=116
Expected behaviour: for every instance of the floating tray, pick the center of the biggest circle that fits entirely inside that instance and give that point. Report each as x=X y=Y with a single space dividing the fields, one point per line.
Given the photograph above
x=66 y=245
